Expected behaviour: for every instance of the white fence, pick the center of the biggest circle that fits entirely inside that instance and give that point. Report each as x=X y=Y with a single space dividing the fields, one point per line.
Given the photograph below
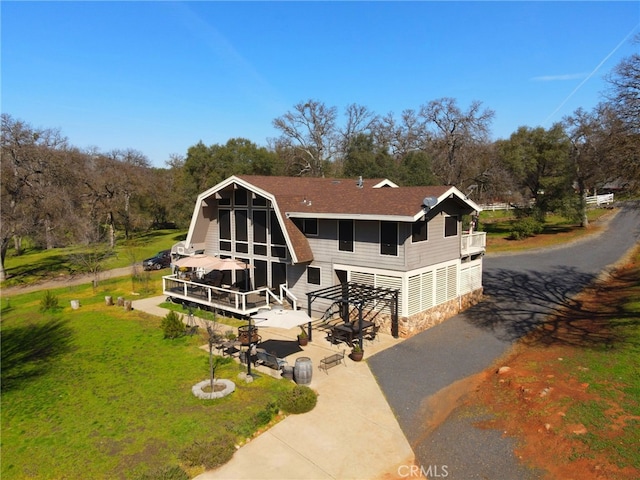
x=600 y=199
x=594 y=200
x=496 y=206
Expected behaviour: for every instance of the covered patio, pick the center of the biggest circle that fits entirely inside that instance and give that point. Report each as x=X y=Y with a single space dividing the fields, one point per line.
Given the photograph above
x=349 y=295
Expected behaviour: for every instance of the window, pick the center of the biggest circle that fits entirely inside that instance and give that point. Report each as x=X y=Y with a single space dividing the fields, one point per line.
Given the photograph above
x=278 y=248
x=224 y=219
x=241 y=225
x=345 y=235
x=419 y=231
x=450 y=226
x=313 y=275
x=224 y=223
x=308 y=226
x=225 y=199
x=389 y=238
x=260 y=226
x=240 y=197
x=259 y=201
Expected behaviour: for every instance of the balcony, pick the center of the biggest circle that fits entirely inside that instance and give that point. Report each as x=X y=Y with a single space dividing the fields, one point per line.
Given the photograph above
x=473 y=243
x=223 y=298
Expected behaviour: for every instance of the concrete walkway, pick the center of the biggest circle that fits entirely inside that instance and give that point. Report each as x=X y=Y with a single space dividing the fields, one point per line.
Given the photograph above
x=352 y=432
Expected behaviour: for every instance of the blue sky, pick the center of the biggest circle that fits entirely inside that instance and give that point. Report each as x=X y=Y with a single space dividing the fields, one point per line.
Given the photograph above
x=160 y=76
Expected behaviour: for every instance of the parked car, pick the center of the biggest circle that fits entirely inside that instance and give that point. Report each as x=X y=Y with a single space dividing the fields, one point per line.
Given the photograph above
x=160 y=260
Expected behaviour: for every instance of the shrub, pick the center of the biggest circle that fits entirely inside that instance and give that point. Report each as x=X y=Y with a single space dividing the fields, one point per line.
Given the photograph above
x=48 y=302
x=525 y=227
x=263 y=417
x=165 y=473
x=172 y=325
x=210 y=454
x=300 y=399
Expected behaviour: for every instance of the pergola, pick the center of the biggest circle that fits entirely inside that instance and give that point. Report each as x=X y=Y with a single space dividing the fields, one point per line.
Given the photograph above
x=359 y=296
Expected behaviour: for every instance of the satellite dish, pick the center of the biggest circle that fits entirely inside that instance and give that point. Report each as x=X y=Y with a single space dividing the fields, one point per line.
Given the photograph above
x=429 y=202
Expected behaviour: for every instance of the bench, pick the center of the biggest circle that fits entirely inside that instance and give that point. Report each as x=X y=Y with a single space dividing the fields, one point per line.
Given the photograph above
x=269 y=360
x=331 y=361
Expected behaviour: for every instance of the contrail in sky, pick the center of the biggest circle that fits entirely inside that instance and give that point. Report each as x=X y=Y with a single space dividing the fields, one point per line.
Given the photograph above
x=591 y=74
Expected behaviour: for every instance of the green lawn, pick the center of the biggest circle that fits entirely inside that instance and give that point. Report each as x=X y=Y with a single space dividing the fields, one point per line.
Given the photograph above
x=557 y=230
x=37 y=265
x=98 y=393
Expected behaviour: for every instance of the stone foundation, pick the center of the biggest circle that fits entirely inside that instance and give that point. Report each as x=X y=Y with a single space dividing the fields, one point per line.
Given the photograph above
x=409 y=326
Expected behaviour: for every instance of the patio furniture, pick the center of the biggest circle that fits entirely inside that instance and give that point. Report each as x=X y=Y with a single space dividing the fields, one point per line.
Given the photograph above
x=331 y=361
x=269 y=360
x=372 y=334
x=248 y=335
x=347 y=332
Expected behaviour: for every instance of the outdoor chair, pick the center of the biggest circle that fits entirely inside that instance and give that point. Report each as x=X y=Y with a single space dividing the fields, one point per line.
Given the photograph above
x=269 y=360
x=372 y=334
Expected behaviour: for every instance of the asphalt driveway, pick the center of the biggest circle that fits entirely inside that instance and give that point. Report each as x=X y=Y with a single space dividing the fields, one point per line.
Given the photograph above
x=521 y=290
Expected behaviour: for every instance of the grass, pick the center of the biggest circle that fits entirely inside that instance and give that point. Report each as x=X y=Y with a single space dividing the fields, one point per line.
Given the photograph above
x=98 y=393
x=557 y=230
x=596 y=384
x=35 y=265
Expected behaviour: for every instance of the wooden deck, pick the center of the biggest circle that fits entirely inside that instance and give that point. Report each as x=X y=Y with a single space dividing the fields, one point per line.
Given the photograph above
x=227 y=299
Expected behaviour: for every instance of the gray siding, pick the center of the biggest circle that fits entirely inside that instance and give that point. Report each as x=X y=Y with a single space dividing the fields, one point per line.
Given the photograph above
x=366 y=246
x=436 y=249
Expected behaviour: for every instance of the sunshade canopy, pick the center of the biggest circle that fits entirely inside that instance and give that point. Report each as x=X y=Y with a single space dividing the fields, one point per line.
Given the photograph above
x=199 y=261
x=280 y=318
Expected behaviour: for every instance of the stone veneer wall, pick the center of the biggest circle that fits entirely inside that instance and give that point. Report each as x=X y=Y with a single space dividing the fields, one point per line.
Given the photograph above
x=409 y=326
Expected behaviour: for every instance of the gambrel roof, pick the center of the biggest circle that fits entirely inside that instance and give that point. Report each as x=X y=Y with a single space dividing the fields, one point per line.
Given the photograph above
x=309 y=197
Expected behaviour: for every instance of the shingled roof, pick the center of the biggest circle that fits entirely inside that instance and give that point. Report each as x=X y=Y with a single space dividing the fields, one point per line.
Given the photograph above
x=300 y=197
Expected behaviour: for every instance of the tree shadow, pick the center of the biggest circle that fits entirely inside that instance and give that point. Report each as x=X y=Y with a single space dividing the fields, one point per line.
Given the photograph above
x=543 y=308
x=28 y=351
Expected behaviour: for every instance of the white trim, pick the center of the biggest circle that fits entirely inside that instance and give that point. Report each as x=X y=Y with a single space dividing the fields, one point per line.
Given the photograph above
x=353 y=216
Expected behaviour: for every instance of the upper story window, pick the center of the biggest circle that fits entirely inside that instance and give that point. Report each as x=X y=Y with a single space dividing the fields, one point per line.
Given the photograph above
x=450 y=226
x=308 y=226
x=259 y=201
x=419 y=231
x=224 y=221
x=278 y=241
x=242 y=234
x=260 y=232
x=345 y=235
x=389 y=238
x=225 y=198
x=240 y=197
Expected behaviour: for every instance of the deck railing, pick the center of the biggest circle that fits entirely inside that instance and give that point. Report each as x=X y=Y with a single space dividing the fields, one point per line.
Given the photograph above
x=471 y=243
x=223 y=298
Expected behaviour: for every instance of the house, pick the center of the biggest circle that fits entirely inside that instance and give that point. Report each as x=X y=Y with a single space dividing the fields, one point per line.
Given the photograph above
x=403 y=246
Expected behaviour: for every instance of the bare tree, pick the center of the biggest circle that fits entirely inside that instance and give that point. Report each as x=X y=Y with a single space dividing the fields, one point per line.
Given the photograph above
x=625 y=89
x=25 y=153
x=455 y=134
x=402 y=137
x=309 y=132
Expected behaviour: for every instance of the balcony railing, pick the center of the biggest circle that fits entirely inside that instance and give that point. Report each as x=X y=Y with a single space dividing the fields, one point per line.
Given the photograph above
x=472 y=243
x=224 y=298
